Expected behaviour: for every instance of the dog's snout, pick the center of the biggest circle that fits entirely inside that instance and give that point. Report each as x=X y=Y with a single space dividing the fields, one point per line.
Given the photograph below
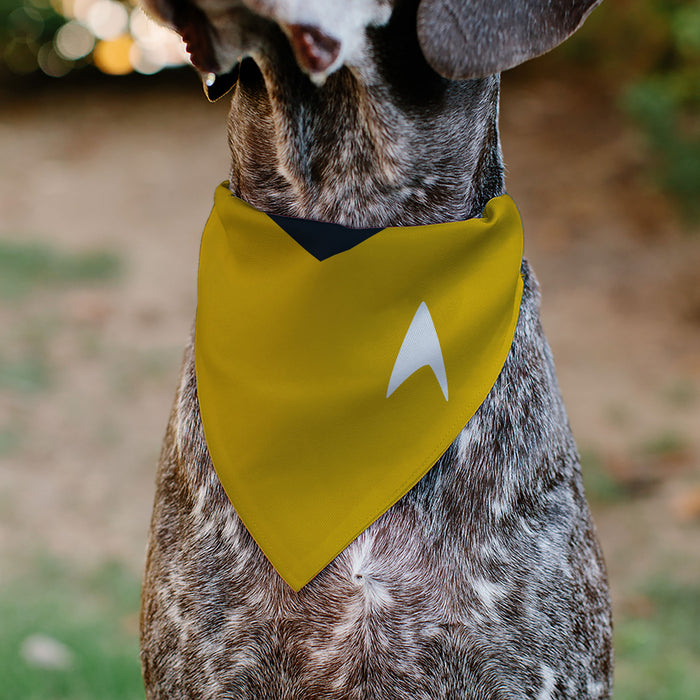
x=315 y=51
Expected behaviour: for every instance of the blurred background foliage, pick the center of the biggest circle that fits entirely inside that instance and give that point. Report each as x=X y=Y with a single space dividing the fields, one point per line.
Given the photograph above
x=58 y=37
x=648 y=51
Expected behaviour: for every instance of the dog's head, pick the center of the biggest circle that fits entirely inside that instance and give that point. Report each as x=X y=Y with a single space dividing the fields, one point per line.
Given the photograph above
x=459 y=39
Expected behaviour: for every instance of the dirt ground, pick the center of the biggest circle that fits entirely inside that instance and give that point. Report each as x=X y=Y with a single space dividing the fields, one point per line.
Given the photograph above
x=133 y=169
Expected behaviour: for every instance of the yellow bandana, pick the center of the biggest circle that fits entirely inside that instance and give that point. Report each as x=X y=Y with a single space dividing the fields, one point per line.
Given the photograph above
x=330 y=381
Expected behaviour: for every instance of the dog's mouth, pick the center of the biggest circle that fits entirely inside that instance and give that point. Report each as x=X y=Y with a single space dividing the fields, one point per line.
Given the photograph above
x=216 y=86
x=315 y=52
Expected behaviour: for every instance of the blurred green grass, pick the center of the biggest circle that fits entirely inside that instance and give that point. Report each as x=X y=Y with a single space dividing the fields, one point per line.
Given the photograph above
x=26 y=375
x=92 y=616
x=658 y=649
x=25 y=266
x=28 y=267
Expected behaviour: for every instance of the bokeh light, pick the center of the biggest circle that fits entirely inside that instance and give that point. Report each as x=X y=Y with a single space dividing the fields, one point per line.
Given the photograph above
x=57 y=36
x=112 y=55
x=107 y=19
x=51 y=62
x=20 y=56
x=74 y=40
x=27 y=22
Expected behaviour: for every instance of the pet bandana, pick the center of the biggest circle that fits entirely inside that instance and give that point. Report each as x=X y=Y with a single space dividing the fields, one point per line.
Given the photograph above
x=336 y=365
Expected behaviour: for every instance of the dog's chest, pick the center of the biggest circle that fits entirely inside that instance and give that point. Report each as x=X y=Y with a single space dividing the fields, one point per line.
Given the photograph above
x=487 y=570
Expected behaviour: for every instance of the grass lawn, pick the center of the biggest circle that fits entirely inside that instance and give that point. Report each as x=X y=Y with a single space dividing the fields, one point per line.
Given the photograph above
x=658 y=649
x=93 y=620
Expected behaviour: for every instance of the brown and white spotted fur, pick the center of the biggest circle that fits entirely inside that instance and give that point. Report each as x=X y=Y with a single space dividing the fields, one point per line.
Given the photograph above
x=486 y=580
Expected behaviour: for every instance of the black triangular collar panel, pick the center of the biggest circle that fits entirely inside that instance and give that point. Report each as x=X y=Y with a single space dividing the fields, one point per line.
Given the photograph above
x=321 y=239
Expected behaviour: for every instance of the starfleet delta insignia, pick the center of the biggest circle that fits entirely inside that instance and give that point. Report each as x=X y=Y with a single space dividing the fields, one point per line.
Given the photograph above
x=336 y=365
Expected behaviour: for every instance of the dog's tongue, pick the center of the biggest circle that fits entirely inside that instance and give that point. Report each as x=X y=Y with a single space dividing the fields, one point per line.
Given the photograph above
x=314 y=50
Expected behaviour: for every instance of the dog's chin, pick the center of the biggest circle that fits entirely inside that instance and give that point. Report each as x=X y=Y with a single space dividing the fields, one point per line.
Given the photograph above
x=250 y=76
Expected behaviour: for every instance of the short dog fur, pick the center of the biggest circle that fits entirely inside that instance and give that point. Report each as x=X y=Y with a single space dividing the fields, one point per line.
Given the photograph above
x=486 y=580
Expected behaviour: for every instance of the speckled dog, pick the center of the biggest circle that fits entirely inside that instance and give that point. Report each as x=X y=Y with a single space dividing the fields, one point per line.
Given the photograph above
x=486 y=580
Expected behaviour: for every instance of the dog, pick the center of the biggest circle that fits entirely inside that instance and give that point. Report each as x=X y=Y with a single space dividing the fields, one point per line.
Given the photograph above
x=486 y=579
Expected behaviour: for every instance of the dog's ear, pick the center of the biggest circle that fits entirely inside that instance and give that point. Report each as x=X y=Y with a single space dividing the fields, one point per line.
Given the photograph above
x=472 y=38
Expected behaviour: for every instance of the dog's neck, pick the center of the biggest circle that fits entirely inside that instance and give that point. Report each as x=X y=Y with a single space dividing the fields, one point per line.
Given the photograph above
x=390 y=144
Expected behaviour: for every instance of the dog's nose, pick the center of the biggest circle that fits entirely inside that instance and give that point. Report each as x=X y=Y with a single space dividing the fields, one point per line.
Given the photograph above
x=314 y=50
